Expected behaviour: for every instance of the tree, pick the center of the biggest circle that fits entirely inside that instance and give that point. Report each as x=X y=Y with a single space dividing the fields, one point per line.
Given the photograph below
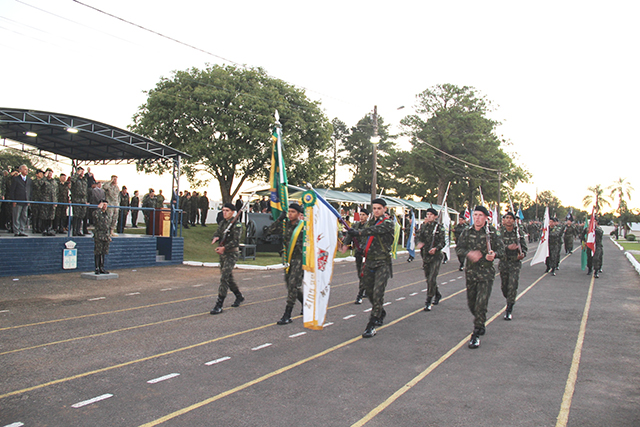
x=597 y=198
x=622 y=189
x=11 y=158
x=358 y=151
x=340 y=133
x=222 y=117
x=454 y=141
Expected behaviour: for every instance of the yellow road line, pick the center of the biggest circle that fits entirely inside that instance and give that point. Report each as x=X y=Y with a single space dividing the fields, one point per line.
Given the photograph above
x=563 y=416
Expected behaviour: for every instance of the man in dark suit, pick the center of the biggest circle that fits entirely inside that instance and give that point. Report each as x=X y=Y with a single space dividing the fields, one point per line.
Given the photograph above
x=20 y=190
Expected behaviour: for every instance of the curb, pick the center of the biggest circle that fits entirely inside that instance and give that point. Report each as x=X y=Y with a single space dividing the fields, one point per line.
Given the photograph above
x=634 y=262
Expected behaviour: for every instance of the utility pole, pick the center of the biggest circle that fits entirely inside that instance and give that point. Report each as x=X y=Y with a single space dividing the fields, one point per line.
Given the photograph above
x=374 y=141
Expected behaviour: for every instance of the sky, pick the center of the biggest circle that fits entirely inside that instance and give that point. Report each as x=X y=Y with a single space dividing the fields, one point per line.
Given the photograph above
x=563 y=76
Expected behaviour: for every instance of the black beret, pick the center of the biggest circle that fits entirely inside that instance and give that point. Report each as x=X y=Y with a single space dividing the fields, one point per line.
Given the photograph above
x=296 y=207
x=482 y=209
x=379 y=202
x=433 y=211
x=364 y=211
x=555 y=219
x=229 y=206
x=509 y=214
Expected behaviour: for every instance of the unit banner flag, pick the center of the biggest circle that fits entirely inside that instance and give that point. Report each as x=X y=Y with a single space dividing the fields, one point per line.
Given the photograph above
x=411 y=239
x=543 y=248
x=446 y=224
x=591 y=236
x=320 y=246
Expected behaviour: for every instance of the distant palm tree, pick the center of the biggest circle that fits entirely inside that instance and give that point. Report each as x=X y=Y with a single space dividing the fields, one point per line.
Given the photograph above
x=621 y=188
x=597 y=198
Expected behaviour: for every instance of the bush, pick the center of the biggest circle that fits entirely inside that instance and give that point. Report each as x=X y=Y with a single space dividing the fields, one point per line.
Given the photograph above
x=631 y=237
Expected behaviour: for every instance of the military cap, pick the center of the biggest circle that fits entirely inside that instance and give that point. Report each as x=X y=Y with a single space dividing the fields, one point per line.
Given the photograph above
x=433 y=211
x=364 y=211
x=379 y=202
x=482 y=209
x=509 y=214
x=296 y=207
x=229 y=206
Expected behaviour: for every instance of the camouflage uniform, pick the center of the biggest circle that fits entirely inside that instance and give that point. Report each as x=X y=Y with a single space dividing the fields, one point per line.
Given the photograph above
x=112 y=194
x=148 y=202
x=457 y=231
x=431 y=263
x=359 y=255
x=61 y=209
x=101 y=238
x=594 y=260
x=510 y=265
x=569 y=234
x=229 y=258
x=479 y=275
x=378 y=237
x=79 y=194
x=37 y=191
x=555 y=246
x=294 y=275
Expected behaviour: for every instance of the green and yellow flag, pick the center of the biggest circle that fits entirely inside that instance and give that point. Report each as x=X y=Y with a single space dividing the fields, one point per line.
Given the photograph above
x=278 y=177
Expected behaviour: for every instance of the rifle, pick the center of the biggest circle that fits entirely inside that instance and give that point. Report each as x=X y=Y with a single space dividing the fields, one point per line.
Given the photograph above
x=486 y=224
x=439 y=219
x=225 y=233
x=516 y=225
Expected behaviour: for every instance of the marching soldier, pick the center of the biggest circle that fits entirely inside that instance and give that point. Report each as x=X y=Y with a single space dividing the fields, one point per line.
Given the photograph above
x=555 y=245
x=569 y=234
x=431 y=241
x=79 y=194
x=377 y=238
x=480 y=245
x=358 y=253
x=594 y=260
x=101 y=236
x=293 y=240
x=228 y=233
x=509 y=266
x=457 y=231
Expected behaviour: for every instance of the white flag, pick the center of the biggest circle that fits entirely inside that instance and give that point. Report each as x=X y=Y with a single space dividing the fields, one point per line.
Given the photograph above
x=543 y=248
x=494 y=217
x=446 y=224
x=320 y=245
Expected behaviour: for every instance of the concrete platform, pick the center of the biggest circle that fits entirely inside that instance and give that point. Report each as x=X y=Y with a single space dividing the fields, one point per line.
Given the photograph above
x=94 y=276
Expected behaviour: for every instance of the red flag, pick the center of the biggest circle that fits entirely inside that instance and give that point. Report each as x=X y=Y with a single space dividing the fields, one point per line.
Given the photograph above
x=467 y=215
x=591 y=236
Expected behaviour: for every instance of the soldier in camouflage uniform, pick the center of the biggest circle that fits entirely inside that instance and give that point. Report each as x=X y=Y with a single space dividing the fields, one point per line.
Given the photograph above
x=292 y=238
x=377 y=238
x=358 y=253
x=101 y=236
x=112 y=194
x=479 y=249
x=457 y=231
x=510 y=265
x=149 y=201
x=37 y=190
x=62 y=188
x=185 y=205
x=430 y=240
x=79 y=194
x=555 y=245
x=48 y=193
x=569 y=234
x=595 y=259
x=228 y=233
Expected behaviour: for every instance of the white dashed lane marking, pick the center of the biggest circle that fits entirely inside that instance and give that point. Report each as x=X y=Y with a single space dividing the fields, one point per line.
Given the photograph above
x=166 y=289
x=400 y=299
x=327 y=324
x=367 y=310
x=96 y=299
x=214 y=362
x=299 y=334
x=90 y=401
x=386 y=303
x=260 y=347
x=163 y=378
x=133 y=293
x=413 y=294
x=349 y=316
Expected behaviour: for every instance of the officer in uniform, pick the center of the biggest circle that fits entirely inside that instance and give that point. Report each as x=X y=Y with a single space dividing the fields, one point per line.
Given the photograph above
x=228 y=233
x=48 y=193
x=377 y=238
x=555 y=245
x=509 y=266
x=480 y=245
x=431 y=241
x=149 y=201
x=457 y=231
x=36 y=196
x=101 y=236
x=359 y=252
x=569 y=234
x=112 y=194
x=79 y=194
x=60 y=219
x=595 y=259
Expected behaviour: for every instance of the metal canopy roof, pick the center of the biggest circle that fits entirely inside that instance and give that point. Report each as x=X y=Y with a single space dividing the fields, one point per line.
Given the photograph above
x=79 y=139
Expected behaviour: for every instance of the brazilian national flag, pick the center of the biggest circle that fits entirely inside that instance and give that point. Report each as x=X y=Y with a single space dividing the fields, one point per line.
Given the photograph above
x=278 y=177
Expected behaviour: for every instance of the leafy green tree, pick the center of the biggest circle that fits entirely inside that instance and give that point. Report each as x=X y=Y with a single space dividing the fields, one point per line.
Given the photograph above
x=340 y=133
x=596 y=198
x=11 y=158
x=621 y=189
x=454 y=141
x=358 y=154
x=223 y=116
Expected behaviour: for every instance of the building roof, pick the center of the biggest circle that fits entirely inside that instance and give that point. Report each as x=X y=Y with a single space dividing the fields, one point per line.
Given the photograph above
x=80 y=139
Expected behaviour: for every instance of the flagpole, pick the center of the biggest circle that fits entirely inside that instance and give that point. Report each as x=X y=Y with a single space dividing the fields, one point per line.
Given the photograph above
x=334 y=212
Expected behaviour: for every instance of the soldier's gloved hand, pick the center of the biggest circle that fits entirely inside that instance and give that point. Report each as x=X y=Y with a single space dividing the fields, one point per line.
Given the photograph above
x=353 y=232
x=282 y=216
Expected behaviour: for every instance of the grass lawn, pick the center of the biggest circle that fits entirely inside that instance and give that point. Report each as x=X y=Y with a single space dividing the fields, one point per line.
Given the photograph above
x=630 y=246
x=198 y=247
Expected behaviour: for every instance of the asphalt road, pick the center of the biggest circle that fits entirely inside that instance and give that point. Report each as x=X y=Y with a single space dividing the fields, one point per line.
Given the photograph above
x=143 y=350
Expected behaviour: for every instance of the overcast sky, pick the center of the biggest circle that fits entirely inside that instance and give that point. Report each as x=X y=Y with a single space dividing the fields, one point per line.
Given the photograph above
x=563 y=75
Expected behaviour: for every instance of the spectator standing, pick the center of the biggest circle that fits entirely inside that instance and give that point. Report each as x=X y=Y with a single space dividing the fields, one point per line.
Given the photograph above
x=135 y=203
x=20 y=190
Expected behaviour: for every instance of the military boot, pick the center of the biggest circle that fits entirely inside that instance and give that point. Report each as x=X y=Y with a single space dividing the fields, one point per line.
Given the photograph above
x=286 y=317
x=428 y=305
x=96 y=259
x=102 y=270
x=507 y=313
x=218 y=307
x=370 y=331
x=239 y=299
x=358 y=298
x=379 y=321
x=436 y=300
x=475 y=340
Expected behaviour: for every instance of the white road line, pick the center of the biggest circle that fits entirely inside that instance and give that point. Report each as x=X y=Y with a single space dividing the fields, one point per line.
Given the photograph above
x=349 y=317
x=452 y=280
x=166 y=377
x=413 y=294
x=386 y=303
x=443 y=283
x=90 y=401
x=367 y=310
x=267 y=275
x=4 y=311
x=400 y=299
x=327 y=324
x=213 y=362
x=96 y=299
x=424 y=290
x=166 y=289
x=248 y=278
x=15 y=280
x=299 y=334
x=459 y=277
x=260 y=347
x=133 y=293
x=198 y=285
x=18 y=424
